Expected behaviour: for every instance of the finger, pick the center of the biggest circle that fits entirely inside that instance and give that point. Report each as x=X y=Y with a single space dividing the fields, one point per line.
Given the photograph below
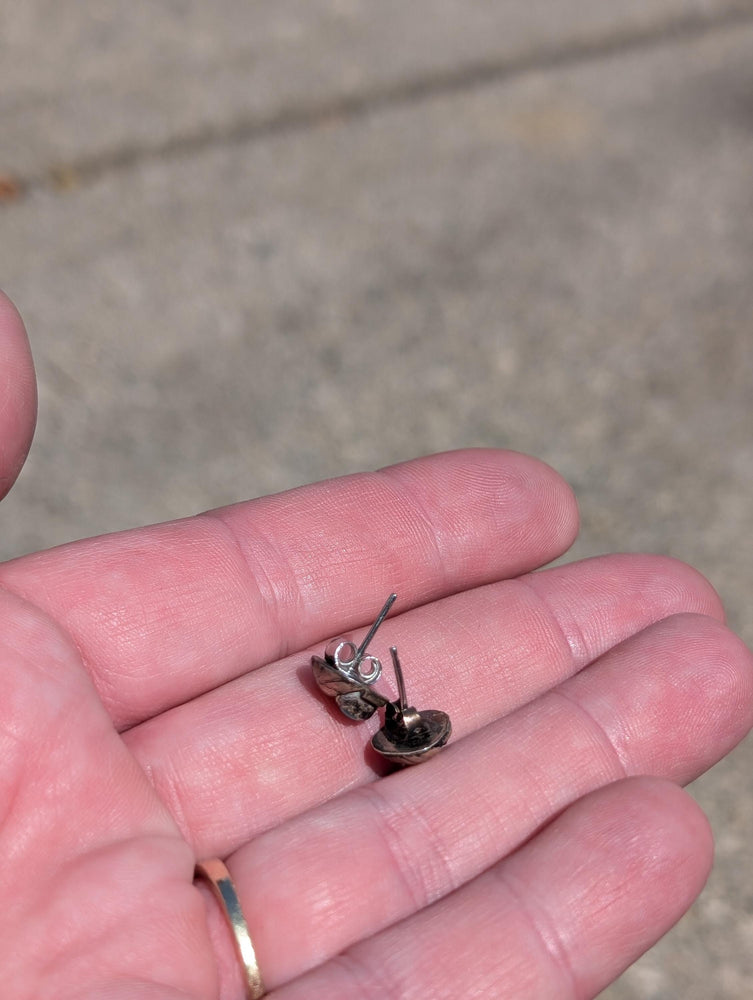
x=243 y=758
x=18 y=395
x=166 y=613
x=562 y=918
x=669 y=702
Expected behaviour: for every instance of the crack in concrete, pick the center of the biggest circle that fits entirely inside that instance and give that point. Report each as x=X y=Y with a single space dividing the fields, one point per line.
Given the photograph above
x=401 y=93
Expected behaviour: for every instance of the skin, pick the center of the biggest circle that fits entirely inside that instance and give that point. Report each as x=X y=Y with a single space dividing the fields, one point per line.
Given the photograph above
x=157 y=707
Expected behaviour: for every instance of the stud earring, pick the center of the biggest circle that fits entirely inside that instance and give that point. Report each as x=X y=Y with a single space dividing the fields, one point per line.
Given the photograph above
x=407 y=736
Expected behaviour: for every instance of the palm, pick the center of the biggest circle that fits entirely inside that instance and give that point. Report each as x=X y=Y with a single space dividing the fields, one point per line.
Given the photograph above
x=96 y=869
x=169 y=714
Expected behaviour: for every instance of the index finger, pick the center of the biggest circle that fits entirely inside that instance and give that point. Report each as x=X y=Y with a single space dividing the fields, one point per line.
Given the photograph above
x=165 y=613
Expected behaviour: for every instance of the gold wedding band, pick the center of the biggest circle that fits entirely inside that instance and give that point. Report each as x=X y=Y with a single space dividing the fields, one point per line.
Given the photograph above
x=218 y=878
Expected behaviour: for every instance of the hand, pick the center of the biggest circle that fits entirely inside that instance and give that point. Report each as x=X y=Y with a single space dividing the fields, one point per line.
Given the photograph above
x=157 y=707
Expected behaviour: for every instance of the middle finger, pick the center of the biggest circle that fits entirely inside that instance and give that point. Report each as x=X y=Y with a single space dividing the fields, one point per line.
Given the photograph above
x=255 y=752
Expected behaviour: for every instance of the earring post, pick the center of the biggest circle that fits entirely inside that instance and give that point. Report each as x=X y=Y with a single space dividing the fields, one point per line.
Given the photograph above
x=402 y=697
x=360 y=652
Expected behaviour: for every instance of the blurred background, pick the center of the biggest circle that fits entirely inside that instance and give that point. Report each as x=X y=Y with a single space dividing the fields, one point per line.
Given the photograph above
x=257 y=244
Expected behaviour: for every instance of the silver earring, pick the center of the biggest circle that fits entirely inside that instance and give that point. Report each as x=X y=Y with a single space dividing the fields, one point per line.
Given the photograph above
x=407 y=736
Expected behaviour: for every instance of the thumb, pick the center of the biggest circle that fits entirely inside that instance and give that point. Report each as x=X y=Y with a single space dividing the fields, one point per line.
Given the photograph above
x=18 y=395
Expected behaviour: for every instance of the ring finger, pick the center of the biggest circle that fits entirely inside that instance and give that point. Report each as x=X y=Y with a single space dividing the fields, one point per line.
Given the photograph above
x=669 y=702
x=560 y=918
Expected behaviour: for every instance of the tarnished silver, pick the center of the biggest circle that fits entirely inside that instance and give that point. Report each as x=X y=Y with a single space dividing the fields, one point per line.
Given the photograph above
x=340 y=674
x=407 y=736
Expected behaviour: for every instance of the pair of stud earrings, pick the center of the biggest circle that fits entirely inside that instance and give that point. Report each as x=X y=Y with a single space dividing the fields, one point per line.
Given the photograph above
x=347 y=673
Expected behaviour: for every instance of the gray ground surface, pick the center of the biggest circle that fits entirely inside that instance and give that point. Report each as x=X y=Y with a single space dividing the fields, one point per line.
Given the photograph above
x=258 y=244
